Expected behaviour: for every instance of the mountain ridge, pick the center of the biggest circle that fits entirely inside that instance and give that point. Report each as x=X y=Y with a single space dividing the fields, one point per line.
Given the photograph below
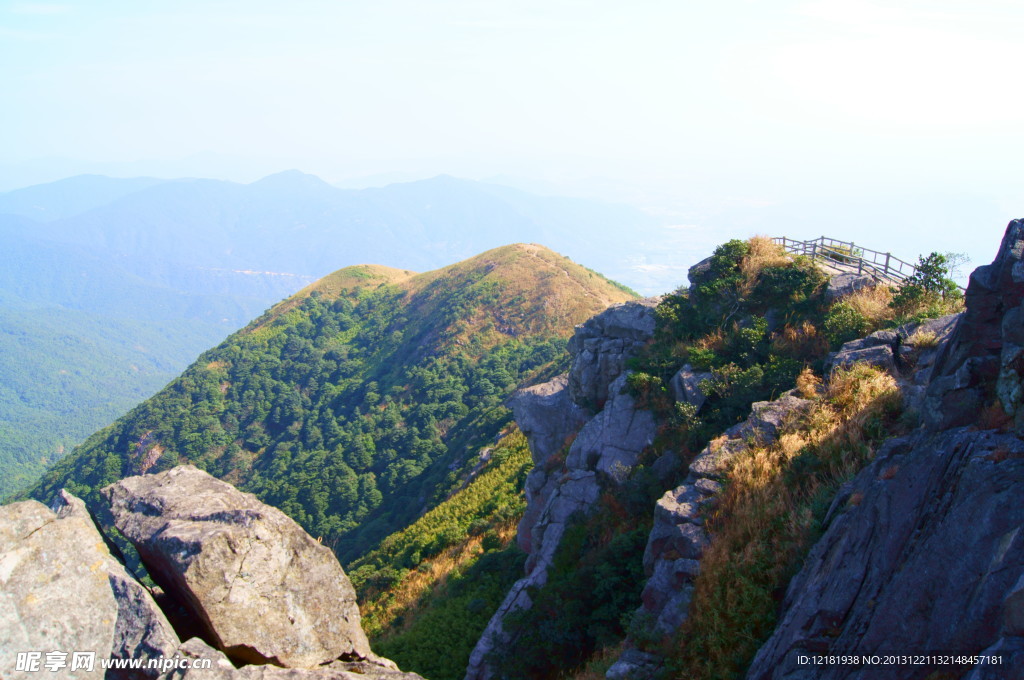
x=422 y=362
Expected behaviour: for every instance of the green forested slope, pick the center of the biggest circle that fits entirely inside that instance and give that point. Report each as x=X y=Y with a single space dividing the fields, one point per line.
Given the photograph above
x=362 y=401
x=93 y=369
x=427 y=591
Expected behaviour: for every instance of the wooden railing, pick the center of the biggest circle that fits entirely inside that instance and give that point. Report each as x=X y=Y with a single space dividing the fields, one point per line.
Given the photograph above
x=847 y=256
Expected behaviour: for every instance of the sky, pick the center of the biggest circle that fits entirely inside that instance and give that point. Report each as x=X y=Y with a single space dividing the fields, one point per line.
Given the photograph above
x=898 y=120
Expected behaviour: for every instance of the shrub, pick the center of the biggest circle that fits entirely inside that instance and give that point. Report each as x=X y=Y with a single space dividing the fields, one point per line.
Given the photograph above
x=844 y=323
x=703 y=359
x=930 y=291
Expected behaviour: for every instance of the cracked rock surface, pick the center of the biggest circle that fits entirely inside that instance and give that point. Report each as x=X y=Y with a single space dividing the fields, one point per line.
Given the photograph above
x=61 y=589
x=265 y=590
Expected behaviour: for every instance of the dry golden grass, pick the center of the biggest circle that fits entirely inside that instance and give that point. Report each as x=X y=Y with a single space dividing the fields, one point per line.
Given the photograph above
x=994 y=417
x=405 y=599
x=762 y=255
x=715 y=340
x=804 y=340
x=764 y=521
x=923 y=339
x=808 y=385
x=873 y=304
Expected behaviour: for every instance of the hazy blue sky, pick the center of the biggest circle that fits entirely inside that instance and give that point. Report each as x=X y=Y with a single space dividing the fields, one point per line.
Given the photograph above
x=678 y=105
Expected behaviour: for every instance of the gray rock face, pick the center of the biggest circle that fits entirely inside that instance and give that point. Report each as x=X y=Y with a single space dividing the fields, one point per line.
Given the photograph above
x=601 y=345
x=916 y=358
x=685 y=386
x=141 y=629
x=43 y=560
x=678 y=538
x=923 y=552
x=767 y=418
x=611 y=442
x=699 y=272
x=263 y=587
x=62 y=590
x=983 y=363
x=548 y=417
x=605 y=449
x=845 y=284
x=924 y=548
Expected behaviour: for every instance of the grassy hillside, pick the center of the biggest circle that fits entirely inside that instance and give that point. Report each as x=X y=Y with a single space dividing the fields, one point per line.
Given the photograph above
x=427 y=591
x=364 y=400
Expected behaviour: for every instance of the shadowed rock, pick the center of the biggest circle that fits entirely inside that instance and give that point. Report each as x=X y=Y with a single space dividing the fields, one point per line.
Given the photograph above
x=221 y=668
x=685 y=386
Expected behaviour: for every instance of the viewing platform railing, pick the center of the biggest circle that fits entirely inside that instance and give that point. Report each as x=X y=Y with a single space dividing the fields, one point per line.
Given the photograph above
x=846 y=256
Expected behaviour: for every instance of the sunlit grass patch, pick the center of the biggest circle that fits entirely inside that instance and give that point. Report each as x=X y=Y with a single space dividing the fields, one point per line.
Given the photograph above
x=769 y=515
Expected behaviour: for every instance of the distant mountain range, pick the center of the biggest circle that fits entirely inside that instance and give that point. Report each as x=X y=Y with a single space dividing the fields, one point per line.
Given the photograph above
x=295 y=224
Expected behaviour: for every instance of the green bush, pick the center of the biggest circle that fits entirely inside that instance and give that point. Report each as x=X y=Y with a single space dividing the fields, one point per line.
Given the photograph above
x=844 y=323
x=930 y=291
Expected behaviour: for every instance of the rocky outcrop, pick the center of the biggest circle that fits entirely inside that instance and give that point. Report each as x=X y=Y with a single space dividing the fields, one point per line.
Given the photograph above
x=550 y=419
x=924 y=548
x=845 y=284
x=983 y=364
x=919 y=344
x=610 y=443
x=600 y=346
x=605 y=449
x=265 y=590
x=678 y=538
x=62 y=590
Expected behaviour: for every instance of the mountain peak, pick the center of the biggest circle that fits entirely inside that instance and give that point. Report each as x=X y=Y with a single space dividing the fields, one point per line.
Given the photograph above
x=292 y=180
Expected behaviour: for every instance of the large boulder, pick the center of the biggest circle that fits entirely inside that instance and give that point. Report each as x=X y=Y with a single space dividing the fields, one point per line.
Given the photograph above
x=265 y=590
x=62 y=590
x=844 y=284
